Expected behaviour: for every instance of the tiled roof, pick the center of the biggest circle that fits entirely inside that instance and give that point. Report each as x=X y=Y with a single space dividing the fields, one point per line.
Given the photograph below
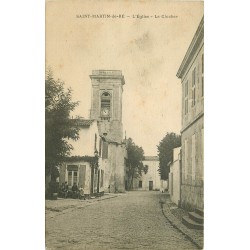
x=82 y=122
x=151 y=158
x=109 y=139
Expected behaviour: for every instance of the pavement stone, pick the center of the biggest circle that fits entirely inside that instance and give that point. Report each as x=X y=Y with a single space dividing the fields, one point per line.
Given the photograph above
x=133 y=220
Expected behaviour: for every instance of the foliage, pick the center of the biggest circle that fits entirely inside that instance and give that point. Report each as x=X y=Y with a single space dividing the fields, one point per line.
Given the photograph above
x=145 y=169
x=58 y=125
x=134 y=164
x=165 y=153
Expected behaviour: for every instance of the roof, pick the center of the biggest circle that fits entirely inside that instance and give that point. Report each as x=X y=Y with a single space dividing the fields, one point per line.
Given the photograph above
x=109 y=139
x=82 y=122
x=192 y=49
x=151 y=158
x=107 y=74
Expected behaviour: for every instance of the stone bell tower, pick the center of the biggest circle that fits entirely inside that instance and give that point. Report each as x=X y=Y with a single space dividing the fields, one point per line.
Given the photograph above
x=106 y=102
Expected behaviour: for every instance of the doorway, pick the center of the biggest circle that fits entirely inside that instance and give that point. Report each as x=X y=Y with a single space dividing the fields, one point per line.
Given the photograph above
x=150 y=185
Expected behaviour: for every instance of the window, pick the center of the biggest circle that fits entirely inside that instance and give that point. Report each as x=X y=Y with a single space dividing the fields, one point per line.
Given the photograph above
x=74 y=177
x=100 y=147
x=186 y=158
x=82 y=175
x=202 y=152
x=193 y=156
x=140 y=184
x=105 y=150
x=95 y=148
x=72 y=174
x=202 y=76
x=105 y=105
x=186 y=98
x=172 y=184
x=105 y=101
x=193 y=87
x=70 y=178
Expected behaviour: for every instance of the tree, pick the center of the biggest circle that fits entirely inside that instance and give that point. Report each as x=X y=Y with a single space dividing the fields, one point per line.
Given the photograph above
x=165 y=153
x=134 y=164
x=58 y=125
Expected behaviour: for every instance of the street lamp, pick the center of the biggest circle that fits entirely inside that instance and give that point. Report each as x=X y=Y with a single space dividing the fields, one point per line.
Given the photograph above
x=96 y=153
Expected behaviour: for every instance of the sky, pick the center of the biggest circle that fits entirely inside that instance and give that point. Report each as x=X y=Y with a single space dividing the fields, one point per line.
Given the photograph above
x=148 y=51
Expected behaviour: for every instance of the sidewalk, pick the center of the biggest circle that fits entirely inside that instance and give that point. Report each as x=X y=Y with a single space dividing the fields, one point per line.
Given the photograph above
x=61 y=204
x=174 y=215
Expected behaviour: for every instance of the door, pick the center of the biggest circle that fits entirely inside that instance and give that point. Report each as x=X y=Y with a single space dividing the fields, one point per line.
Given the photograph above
x=150 y=185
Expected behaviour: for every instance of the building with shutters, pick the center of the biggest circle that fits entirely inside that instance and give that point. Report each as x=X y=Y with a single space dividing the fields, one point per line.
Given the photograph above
x=191 y=73
x=83 y=167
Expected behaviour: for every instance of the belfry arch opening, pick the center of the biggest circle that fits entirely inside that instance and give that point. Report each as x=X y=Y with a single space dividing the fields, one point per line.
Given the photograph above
x=105 y=100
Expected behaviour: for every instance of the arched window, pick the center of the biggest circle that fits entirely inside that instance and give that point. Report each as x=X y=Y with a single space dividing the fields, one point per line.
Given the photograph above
x=105 y=104
x=105 y=100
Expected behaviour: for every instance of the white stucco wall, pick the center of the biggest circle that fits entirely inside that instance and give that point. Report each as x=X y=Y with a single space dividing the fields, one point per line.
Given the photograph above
x=152 y=175
x=174 y=177
x=85 y=145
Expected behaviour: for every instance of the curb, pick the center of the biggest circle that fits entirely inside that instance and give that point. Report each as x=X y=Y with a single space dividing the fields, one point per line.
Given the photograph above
x=171 y=221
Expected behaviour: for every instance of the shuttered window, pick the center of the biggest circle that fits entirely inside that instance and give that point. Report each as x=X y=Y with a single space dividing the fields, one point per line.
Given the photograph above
x=105 y=150
x=95 y=147
x=105 y=100
x=193 y=87
x=186 y=158
x=82 y=175
x=193 y=156
x=202 y=153
x=202 y=76
x=186 y=97
x=100 y=147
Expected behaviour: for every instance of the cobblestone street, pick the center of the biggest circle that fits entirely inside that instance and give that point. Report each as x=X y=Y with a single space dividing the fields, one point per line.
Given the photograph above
x=127 y=221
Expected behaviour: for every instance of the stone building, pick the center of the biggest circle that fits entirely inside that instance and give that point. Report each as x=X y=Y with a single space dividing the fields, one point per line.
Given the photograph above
x=191 y=73
x=106 y=109
x=97 y=161
x=152 y=179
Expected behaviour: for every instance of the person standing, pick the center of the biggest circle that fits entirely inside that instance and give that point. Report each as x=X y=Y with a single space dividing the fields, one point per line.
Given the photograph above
x=74 y=190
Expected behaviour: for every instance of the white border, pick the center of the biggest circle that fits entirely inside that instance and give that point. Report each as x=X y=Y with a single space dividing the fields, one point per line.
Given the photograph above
x=226 y=124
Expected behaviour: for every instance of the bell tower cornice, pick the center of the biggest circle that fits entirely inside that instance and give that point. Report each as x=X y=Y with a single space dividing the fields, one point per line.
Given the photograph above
x=107 y=74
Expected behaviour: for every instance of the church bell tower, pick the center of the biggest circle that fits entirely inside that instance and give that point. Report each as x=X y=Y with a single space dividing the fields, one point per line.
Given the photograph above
x=106 y=102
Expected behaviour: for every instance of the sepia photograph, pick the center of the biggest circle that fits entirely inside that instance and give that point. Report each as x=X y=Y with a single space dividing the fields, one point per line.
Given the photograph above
x=103 y=142
x=124 y=124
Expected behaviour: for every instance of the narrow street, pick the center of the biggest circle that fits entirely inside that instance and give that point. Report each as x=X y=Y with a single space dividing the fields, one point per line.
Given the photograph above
x=133 y=220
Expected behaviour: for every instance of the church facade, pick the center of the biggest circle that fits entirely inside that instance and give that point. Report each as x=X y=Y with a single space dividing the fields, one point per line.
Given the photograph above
x=106 y=109
x=97 y=162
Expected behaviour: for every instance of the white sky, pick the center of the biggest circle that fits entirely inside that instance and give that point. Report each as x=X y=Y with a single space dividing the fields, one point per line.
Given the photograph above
x=149 y=53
